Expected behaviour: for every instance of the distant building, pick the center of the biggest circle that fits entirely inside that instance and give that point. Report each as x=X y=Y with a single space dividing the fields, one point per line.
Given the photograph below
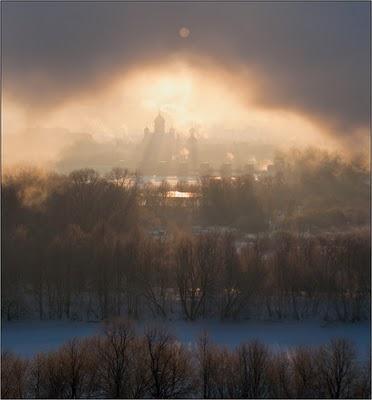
x=271 y=170
x=163 y=151
x=158 y=147
x=226 y=170
x=163 y=168
x=205 y=169
x=146 y=133
x=183 y=169
x=159 y=125
x=249 y=169
x=192 y=144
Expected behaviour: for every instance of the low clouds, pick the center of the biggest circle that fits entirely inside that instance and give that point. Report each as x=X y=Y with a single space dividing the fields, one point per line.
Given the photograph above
x=312 y=58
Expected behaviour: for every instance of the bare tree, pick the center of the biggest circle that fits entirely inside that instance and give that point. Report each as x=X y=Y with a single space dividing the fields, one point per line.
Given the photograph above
x=363 y=384
x=336 y=364
x=169 y=365
x=252 y=364
x=233 y=297
x=196 y=263
x=14 y=374
x=139 y=381
x=304 y=372
x=205 y=365
x=155 y=275
x=279 y=374
x=37 y=376
x=115 y=358
x=74 y=360
x=54 y=379
x=223 y=373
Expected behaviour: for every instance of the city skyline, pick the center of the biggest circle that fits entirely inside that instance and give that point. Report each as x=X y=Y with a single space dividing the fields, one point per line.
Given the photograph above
x=280 y=72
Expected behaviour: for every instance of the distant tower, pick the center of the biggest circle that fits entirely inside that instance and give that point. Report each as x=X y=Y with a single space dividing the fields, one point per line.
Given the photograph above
x=192 y=144
x=172 y=133
x=192 y=132
x=159 y=125
x=146 y=133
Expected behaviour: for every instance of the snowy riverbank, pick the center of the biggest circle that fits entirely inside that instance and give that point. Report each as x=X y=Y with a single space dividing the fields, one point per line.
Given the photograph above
x=29 y=337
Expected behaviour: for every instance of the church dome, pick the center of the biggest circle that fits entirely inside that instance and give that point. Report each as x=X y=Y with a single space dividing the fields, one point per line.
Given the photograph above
x=159 y=119
x=192 y=132
x=159 y=124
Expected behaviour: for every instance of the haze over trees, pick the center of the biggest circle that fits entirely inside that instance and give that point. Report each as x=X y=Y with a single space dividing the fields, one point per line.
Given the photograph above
x=85 y=246
x=291 y=245
x=151 y=200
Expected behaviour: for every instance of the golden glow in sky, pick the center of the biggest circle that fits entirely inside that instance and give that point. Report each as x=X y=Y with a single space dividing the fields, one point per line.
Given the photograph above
x=188 y=96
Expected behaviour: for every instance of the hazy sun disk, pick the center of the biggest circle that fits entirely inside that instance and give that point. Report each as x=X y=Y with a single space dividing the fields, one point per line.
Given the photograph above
x=184 y=94
x=184 y=32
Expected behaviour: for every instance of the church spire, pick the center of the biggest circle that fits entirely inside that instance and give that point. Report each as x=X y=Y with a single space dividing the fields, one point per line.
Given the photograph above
x=159 y=124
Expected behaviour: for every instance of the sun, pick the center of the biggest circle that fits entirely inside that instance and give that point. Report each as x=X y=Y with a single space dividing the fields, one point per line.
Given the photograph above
x=184 y=93
x=184 y=32
x=170 y=94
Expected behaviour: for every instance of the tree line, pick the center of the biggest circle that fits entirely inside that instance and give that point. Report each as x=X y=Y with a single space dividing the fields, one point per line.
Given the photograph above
x=310 y=190
x=86 y=246
x=123 y=364
x=77 y=275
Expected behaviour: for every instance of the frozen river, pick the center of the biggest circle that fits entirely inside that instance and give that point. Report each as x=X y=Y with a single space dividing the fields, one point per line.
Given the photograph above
x=29 y=337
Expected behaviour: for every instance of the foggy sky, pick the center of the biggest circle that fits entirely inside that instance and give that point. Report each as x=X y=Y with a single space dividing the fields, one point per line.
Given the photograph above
x=309 y=57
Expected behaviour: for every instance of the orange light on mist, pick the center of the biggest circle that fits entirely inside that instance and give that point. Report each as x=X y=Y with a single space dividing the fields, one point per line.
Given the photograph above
x=184 y=32
x=187 y=94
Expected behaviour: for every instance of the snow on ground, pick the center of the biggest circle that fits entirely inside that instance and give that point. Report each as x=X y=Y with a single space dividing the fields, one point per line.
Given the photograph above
x=29 y=337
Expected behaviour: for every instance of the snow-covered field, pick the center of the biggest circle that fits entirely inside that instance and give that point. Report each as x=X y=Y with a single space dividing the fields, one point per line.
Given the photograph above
x=29 y=337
